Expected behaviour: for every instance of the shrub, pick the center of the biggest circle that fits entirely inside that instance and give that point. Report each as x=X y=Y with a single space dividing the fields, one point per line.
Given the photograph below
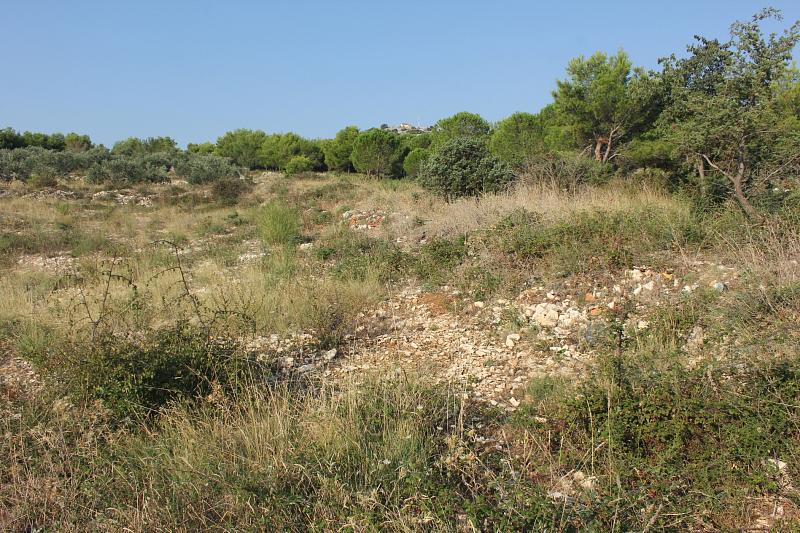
x=568 y=170
x=414 y=160
x=77 y=143
x=464 y=167
x=279 y=224
x=126 y=171
x=228 y=190
x=204 y=168
x=297 y=165
x=134 y=378
x=375 y=152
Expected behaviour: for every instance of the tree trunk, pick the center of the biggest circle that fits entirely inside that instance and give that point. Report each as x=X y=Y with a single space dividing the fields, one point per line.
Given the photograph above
x=607 y=154
x=738 y=191
x=598 y=148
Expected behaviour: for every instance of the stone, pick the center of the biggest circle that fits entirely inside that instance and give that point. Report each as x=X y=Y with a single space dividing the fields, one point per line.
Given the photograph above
x=329 y=355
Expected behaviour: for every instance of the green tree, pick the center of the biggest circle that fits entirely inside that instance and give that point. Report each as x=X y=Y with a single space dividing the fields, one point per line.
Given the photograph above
x=242 y=146
x=77 y=143
x=464 y=167
x=723 y=104
x=10 y=139
x=200 y=148
x=414 y=160
x=604 y=101
x=277 y=149
x=338 y=150
x=464 y=124
x=375 y=152
x=43 y=140
x=519 y=139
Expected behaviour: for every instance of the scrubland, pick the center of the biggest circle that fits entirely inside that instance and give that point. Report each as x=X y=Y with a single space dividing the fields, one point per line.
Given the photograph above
x=147 y=383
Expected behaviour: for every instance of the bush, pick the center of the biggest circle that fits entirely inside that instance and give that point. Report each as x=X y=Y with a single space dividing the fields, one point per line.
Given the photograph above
x=279 y=224
x=204 y=168
x=464 y=167
x=134 y=378
x=568 y=170
x=414 y=160
x=228 y=190
x=297 y=165
x=127 y=170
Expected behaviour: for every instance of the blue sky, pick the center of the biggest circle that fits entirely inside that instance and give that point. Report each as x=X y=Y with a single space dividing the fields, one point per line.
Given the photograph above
x=193 y=70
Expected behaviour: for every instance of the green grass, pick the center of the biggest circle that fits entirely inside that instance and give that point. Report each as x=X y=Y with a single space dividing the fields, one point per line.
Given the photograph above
x=279 y=224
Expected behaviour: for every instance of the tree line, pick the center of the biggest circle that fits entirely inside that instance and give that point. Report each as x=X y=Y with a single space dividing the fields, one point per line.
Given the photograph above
x=723 y=118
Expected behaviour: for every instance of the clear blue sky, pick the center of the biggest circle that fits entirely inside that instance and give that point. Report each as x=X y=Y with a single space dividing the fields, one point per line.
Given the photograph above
x=193 y=70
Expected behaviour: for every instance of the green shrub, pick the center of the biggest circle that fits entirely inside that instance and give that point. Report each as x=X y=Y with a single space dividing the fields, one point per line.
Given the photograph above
x=464 y=167
x=437 y=258
x=298 y=165
x=121 y=171
x=204 y=168
x=279 y=224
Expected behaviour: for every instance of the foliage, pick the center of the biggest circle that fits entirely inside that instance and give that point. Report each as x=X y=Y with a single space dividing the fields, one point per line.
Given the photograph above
x=241 y=146
x=297 y=165
x=135 y=378
x=519 y=139
x=277 y=149
x=204 y=168
x=133 y=146
x=604 y=101
x=414 y=160
x=121 y=170
x=10 y=139
x=339 y=150
x=722 y=104
x=53 y=141
x=201 y=148
x=375 y=152
x=77 y=143
x=464 y=167
x=463 y=124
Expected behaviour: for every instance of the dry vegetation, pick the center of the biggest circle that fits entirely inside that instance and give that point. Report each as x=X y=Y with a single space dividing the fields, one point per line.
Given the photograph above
x=143 y=384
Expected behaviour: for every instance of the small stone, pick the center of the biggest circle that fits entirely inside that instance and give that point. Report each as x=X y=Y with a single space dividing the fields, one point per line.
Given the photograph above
x=479 y=305
x=589 y=297
x=720 y=286
x=306 y=246
x=330 y=354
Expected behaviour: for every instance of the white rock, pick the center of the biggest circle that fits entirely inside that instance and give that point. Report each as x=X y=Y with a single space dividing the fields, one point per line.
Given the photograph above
x=479 y=305
x=330 y=354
